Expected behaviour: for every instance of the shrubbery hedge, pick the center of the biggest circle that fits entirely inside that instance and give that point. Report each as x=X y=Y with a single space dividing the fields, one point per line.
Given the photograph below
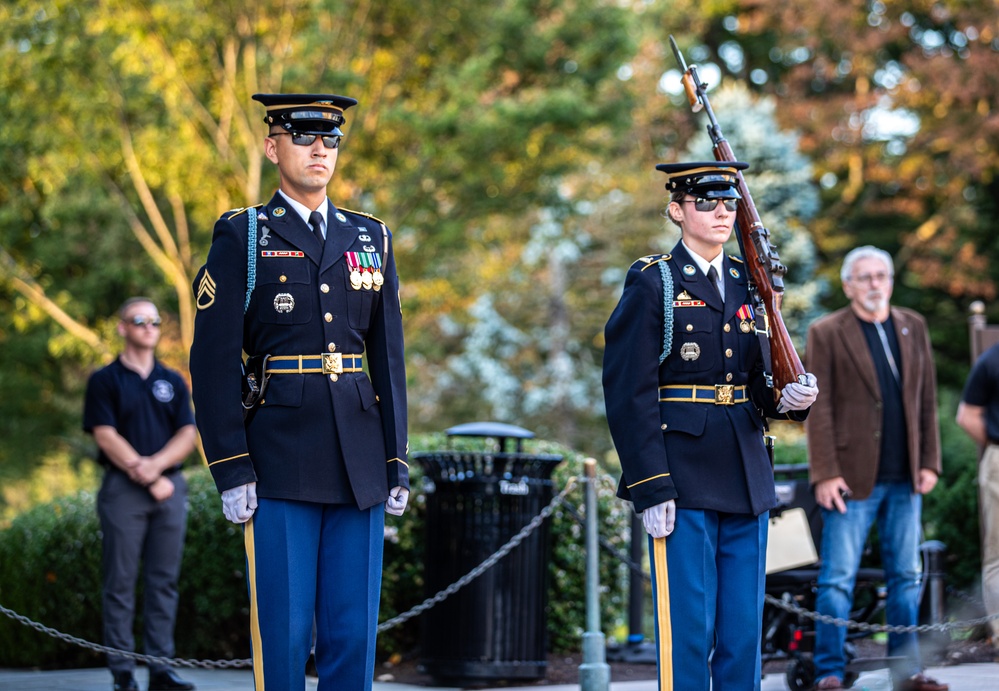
x=50 y=572
x=50 y=563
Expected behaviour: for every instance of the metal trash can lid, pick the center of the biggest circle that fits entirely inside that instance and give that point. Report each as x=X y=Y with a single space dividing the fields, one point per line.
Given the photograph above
x=489 y=429
x=500 y=431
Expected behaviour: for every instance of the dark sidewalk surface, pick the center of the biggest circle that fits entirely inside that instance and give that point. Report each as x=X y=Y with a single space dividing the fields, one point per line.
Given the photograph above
x=963 y=677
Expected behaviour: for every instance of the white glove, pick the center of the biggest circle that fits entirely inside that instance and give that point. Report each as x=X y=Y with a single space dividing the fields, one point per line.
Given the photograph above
x=659 y=519
x=239 y=503
x=797 y=396
x=396 y=502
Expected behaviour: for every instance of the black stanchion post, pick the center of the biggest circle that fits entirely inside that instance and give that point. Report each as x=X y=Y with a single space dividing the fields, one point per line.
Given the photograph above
x=934 y=586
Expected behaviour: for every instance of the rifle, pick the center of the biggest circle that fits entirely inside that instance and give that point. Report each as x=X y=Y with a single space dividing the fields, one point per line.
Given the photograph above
x=766 y=273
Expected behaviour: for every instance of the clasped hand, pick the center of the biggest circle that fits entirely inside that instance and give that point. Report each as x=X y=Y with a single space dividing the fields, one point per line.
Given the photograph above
x=660 y=519
x=239 y=503
x=798 y=396
x=396 y=502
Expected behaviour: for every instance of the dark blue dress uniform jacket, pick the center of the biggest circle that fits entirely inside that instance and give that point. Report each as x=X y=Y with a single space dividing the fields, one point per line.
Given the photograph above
x=705 y=456
x=312 y=439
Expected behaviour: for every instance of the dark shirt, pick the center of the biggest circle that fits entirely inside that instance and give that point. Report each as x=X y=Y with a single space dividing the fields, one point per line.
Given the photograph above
x=982 y=389
x=894 y=464
x=146 y=412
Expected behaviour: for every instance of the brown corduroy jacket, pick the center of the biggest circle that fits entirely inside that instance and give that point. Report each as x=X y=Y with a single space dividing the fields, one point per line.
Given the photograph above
x=844 y=424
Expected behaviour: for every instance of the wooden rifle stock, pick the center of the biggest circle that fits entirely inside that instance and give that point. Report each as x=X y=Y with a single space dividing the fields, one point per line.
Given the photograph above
x=765 y=269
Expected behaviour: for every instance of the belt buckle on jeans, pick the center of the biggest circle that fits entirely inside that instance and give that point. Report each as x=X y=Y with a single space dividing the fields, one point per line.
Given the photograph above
x=724 y=394
x=332 y=363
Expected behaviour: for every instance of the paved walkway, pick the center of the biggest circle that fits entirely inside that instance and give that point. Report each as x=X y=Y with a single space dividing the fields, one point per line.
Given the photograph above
x=966 y=677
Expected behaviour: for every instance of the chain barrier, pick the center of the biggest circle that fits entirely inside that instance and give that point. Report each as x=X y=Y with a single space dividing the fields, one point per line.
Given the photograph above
x=787 y=604
x=175 y=662
x=485 y=565
x=606 y=544
x=442 y=595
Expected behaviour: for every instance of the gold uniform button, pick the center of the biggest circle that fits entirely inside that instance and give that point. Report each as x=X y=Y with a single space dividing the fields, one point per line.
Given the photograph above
x=690 y=327
x=283 y=278
x=728 y=377
x=727 y=328
x=728 y=352
x=662 y=426
x=331 y=346
x=333 y=377
x=325 y=287
x=328 y=317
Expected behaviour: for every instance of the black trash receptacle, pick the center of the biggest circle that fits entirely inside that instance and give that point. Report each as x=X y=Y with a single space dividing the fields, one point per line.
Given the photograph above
x=494 y=627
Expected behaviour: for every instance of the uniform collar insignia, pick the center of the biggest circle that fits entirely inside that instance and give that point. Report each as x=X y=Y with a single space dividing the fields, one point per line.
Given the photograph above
x=279 y=212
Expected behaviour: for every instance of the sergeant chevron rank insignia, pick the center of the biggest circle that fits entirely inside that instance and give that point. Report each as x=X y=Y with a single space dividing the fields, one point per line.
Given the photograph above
x=206 y=292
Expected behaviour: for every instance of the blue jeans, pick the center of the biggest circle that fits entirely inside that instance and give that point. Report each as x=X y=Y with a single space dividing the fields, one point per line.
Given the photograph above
x=897 y=511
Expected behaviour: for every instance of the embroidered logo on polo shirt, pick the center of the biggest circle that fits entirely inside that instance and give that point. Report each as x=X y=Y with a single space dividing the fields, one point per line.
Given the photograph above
x=163 y=391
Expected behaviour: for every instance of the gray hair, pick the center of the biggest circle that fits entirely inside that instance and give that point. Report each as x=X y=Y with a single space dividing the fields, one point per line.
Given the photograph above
x=865 y=252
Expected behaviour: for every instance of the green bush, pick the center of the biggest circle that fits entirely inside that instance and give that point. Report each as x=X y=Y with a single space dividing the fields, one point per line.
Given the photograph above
x=50 y=572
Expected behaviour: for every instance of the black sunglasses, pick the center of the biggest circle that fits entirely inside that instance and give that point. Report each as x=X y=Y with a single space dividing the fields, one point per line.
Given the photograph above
x=145 y=321
x=711 y=204
x=330 y=141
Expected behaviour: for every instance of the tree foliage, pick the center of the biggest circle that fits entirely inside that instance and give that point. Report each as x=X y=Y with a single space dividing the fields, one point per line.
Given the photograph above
x=509 y=146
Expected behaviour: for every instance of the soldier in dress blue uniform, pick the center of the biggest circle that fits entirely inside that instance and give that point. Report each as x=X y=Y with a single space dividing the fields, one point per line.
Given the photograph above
x=687 y=396
x=311 y=469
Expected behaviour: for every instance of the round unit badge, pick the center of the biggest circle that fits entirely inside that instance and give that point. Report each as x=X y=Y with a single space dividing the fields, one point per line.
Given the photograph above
x=279 y=212
x=340 y=217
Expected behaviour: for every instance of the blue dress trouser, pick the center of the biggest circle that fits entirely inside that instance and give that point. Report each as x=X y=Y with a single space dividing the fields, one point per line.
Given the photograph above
x=708 y=620
x=310 y=561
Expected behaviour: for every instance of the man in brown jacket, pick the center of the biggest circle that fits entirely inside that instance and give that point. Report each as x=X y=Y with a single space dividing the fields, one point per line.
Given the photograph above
x=874 y=450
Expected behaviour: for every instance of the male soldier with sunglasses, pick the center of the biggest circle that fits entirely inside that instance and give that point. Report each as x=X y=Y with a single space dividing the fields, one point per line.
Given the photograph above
x=310 y=293
x=686 y=396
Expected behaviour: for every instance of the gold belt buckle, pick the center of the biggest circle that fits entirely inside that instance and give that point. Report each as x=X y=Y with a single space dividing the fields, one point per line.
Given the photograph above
x=724 y=394
x=332 y=363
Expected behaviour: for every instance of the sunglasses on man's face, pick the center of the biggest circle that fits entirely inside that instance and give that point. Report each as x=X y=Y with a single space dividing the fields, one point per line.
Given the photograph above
x=145 y=321
x=711 y=204
x=330 y=141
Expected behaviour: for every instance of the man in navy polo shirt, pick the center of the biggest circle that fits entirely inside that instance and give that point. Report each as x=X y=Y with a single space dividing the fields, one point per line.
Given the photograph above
x=140 y=415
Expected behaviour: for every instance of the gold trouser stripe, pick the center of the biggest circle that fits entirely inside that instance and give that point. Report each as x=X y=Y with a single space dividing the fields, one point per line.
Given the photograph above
x=665 y=633
x=258 y=653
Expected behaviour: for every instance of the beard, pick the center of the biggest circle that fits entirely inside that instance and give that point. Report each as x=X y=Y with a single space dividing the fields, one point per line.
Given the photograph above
x=874 y=302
